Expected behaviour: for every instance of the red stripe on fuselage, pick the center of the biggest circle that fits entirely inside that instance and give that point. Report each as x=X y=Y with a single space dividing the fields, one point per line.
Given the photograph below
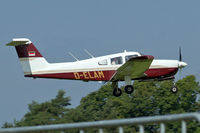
x=160 y=72
x=105 y=75
x=89 y=75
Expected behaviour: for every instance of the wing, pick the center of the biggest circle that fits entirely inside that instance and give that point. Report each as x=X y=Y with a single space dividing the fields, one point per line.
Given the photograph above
x=134 y=67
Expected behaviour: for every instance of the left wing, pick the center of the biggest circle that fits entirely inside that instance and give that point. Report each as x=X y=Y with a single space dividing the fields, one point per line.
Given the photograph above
x=134 y=67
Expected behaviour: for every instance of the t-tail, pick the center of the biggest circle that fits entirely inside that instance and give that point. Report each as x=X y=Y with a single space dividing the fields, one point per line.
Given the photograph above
x=30 y=58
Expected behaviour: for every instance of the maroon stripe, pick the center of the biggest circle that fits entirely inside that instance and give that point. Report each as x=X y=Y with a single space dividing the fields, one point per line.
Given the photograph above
x=92 y=75
x=105 y=75
x=26 y=50
x=159 y=72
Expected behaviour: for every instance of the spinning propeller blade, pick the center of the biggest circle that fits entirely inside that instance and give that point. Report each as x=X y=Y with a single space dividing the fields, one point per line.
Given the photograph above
x=180 y=54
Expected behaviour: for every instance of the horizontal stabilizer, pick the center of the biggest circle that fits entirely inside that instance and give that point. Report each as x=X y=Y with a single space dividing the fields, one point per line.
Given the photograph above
x=19 y=41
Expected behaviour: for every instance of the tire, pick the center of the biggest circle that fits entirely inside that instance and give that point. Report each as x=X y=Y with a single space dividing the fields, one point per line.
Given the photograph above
x=174 y=89
x=117 y=92
x=129 y=89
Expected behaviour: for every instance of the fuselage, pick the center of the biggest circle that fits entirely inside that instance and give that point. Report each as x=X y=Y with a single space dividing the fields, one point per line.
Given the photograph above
x=102 y=68
x=124 y=66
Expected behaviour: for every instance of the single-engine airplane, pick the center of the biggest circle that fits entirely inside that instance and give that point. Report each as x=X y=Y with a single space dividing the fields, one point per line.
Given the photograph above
x=124 y=66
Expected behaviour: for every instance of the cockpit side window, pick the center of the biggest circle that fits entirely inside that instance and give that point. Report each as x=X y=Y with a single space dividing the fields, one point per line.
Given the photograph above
x=116 y=60
x=129 y=57
x=103 y=62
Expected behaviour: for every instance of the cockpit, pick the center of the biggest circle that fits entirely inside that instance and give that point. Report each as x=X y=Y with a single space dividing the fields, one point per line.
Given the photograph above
x=118 y=60
x=129 y=57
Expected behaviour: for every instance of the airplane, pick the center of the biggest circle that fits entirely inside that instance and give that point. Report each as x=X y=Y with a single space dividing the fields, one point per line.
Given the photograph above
x=125 y=66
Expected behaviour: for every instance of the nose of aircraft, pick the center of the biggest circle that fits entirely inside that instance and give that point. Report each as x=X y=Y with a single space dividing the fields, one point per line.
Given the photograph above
x=182 y=64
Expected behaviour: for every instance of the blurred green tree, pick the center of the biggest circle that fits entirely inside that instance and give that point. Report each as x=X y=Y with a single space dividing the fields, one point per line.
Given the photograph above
x=148 y=99
x=50 y=112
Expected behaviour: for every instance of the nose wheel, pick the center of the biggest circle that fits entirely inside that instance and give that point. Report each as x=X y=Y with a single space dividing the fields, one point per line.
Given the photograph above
x=174 y=89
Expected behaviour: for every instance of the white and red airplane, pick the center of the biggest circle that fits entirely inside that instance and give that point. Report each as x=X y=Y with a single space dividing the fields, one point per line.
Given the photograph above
x=124 y=66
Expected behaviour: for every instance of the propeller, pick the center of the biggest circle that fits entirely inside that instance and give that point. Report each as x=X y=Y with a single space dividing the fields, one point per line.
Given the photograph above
x=180 y=54
x=181 y=64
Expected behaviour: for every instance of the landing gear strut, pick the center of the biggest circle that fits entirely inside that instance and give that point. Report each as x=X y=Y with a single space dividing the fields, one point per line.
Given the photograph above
x=128 y=88
x=116 y=91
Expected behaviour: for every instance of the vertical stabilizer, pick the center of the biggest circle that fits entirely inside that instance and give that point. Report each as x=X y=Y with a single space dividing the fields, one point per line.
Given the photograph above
x=30 y=58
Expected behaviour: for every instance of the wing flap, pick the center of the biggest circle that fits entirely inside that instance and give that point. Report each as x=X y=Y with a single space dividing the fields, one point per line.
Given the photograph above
x=134 y=67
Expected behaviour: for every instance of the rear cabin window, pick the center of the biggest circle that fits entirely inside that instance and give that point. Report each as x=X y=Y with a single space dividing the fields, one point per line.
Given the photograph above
x=103 y=62
x=129 y=57
x=116 y=60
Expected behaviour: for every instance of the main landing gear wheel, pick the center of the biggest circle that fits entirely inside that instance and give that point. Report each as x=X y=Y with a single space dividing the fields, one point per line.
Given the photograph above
x=129 y=89
x=117 y=92
x=174 y=89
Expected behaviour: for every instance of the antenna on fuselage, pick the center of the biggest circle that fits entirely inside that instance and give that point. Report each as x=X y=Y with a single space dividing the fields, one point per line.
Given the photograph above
x=73 y=56
x=89 y=53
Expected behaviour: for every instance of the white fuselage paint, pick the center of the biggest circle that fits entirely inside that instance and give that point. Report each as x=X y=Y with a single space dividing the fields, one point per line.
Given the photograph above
x=38 y=65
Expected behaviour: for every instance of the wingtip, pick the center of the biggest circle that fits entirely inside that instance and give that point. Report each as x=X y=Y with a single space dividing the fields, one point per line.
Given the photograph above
x=9 y=44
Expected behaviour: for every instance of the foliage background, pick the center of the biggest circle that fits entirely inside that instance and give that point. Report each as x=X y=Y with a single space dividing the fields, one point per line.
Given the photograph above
x=148 y=99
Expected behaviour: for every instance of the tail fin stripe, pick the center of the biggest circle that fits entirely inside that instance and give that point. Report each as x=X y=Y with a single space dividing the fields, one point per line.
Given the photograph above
x=27 y=51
